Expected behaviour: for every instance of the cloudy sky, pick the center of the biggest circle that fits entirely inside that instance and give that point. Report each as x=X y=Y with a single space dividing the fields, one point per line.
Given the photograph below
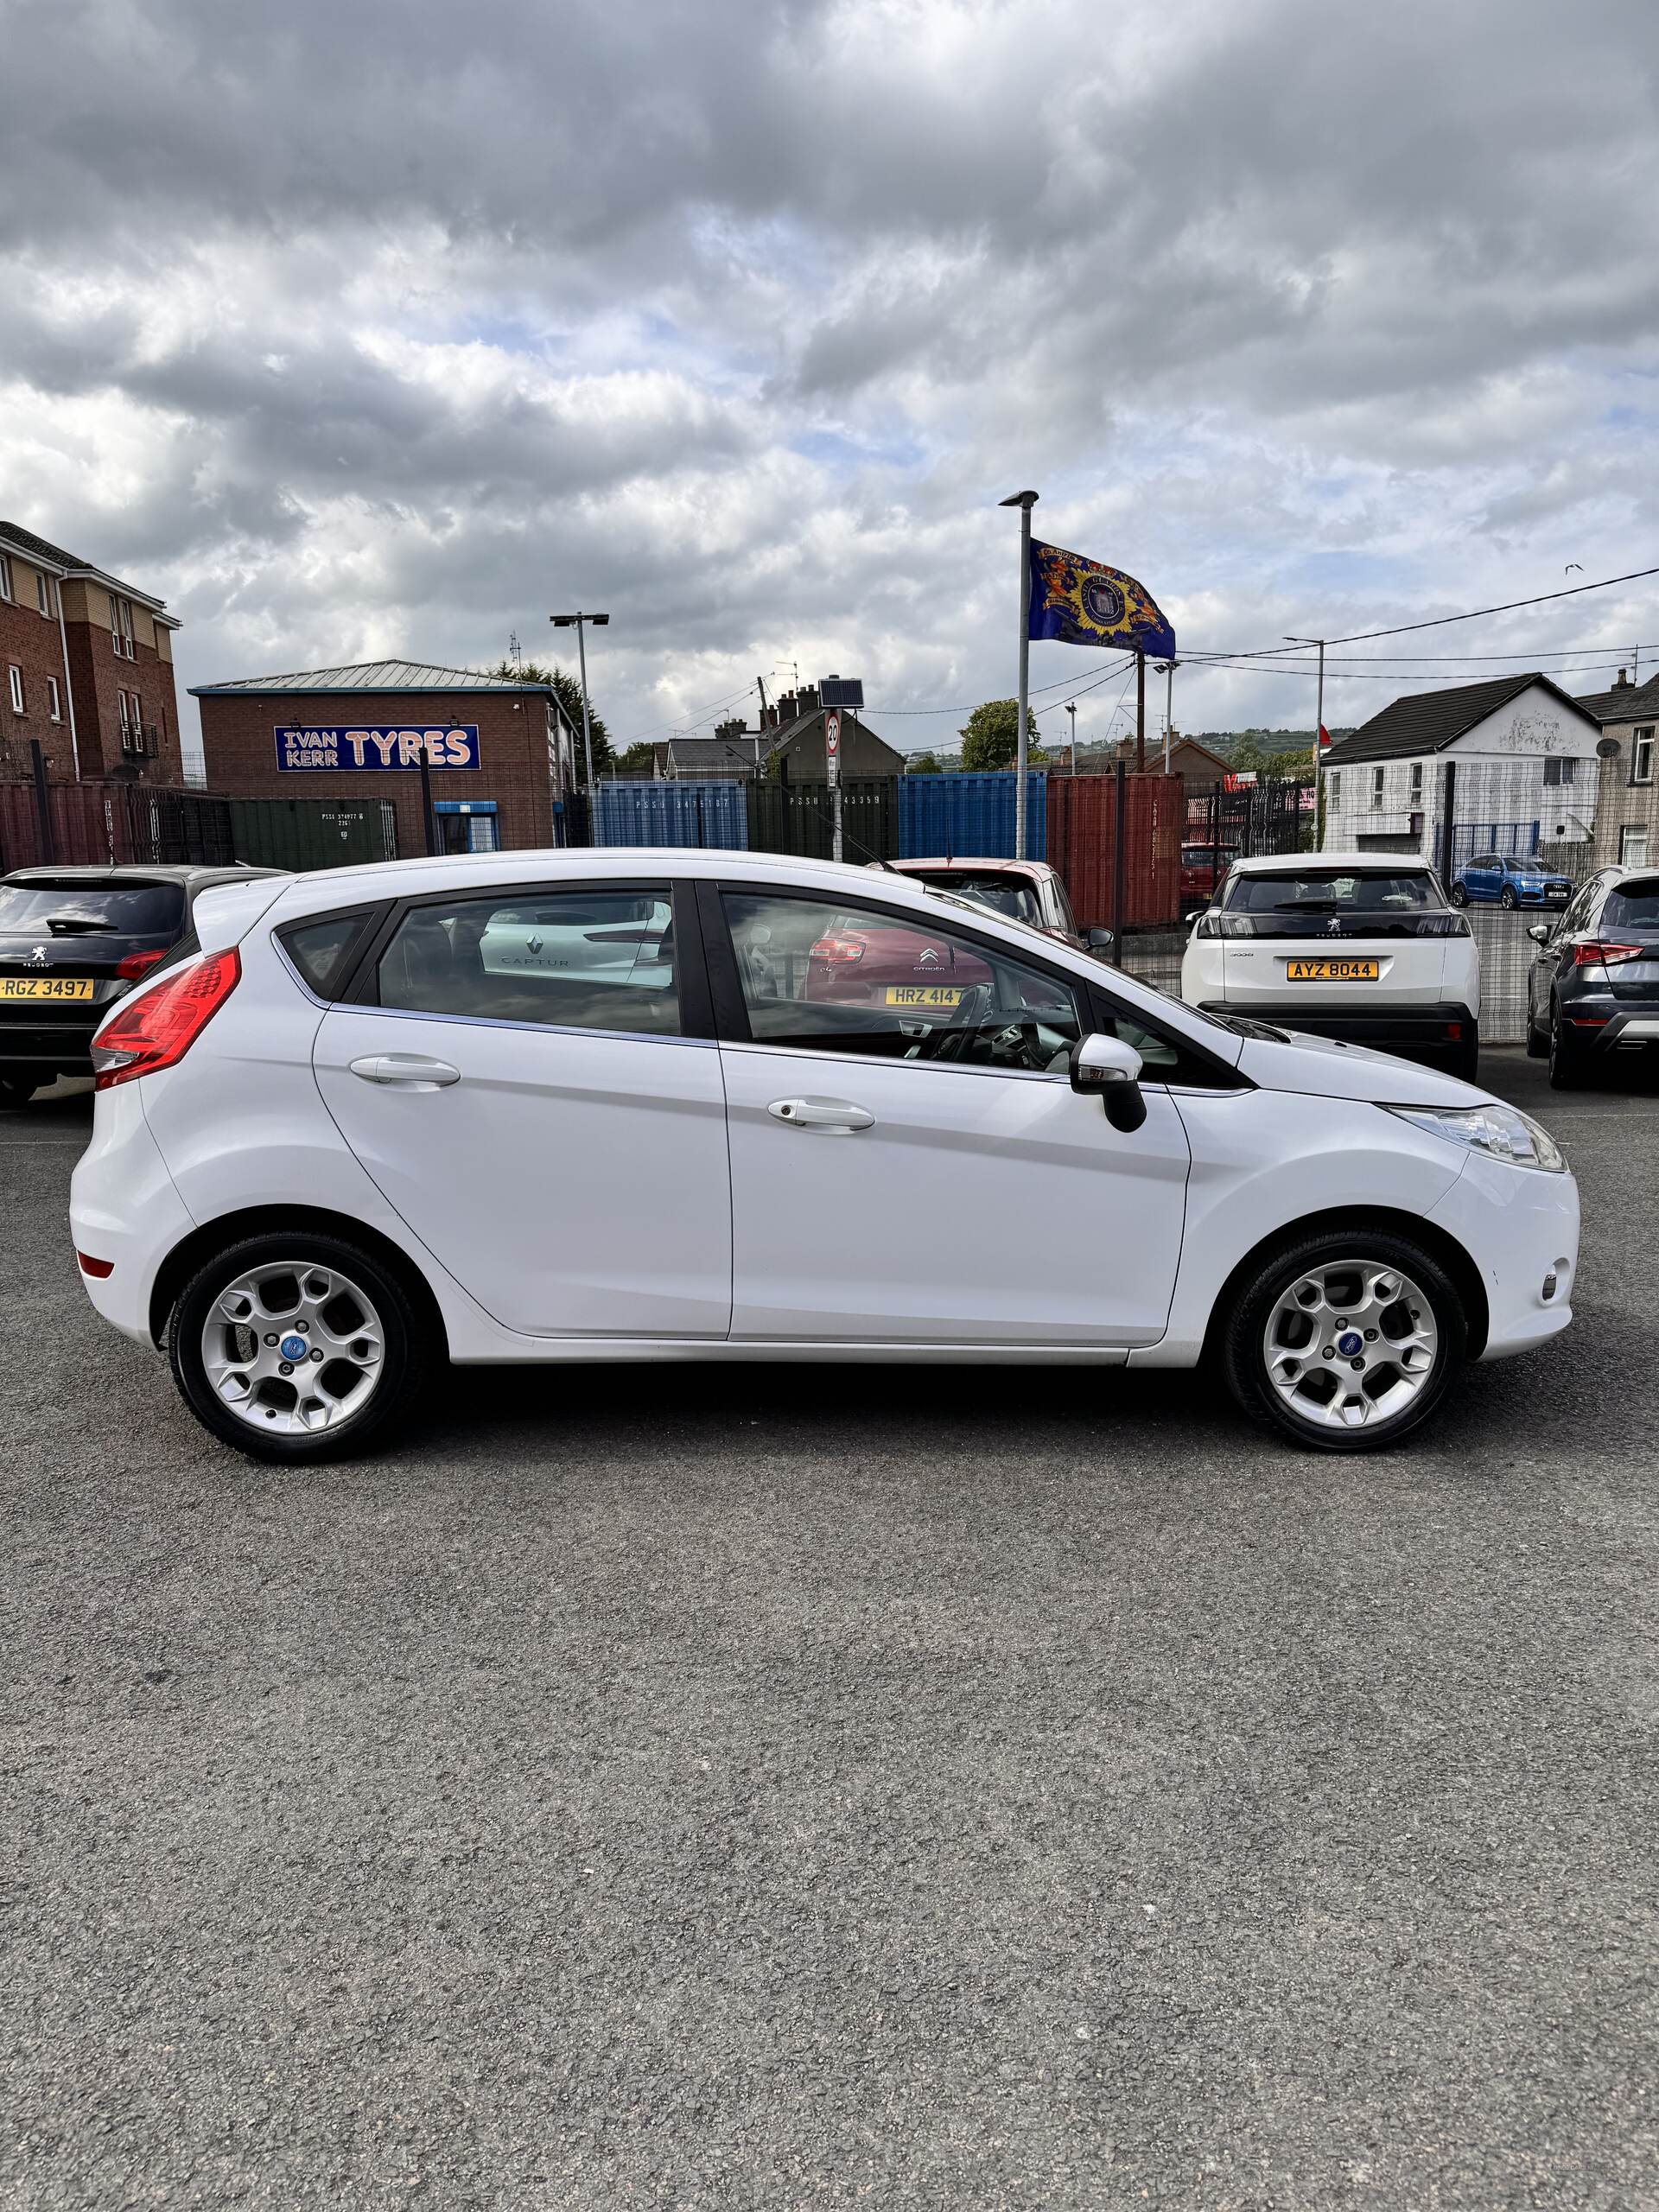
x=382 y=328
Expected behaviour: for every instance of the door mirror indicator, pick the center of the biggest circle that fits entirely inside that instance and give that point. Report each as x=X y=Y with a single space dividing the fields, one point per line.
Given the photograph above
x=1105 y=1068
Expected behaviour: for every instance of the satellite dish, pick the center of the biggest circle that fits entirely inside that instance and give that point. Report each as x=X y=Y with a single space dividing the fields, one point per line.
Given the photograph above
x=1609 y=748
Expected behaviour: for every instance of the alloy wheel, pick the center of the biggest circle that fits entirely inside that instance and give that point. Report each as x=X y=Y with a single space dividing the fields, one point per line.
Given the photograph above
x=1351 y=1343
x=292 y=1349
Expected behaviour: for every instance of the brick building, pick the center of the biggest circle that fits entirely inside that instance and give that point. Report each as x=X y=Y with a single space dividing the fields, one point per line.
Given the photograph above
x=359 y=732
x=87 y=664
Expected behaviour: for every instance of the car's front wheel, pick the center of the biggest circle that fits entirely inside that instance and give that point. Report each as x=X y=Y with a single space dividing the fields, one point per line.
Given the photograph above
x=1509 y=899
x=1344 y=1342
x=297 y=1347
x=1458 y=895
x=1567 y=1069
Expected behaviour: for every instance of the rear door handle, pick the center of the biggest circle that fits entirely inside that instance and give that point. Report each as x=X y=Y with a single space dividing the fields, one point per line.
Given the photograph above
x=831 y=1116
x=405 y=1072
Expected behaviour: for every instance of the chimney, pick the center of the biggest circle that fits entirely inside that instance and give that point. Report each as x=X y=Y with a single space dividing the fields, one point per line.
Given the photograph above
x=1621 y=682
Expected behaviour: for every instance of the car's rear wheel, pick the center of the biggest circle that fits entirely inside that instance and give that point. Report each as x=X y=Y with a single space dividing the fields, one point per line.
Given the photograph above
x=297 y=1347
x=1344 y=1342
x=17 y=1090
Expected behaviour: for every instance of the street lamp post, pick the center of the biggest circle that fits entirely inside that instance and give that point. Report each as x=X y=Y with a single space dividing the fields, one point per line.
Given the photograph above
x=1024 y=501
x=1319 y=729
x=1167 y=669
x=577 y=622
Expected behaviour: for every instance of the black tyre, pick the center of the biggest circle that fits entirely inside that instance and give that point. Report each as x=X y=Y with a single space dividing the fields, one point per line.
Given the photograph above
x=1537 y=1040
x=1457 y=895
x=1566 y=1068
x=1509 y=899
x=298 y=1347
x=17 y=1090
x=1392 y=1322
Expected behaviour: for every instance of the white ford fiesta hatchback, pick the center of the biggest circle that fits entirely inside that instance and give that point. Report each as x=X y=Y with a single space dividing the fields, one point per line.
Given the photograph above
x=698 y=1105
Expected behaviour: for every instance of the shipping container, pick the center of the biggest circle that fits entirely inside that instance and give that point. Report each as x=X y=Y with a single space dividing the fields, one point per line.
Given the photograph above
x=971 y=816
x=302 y=834
x=1082 y=845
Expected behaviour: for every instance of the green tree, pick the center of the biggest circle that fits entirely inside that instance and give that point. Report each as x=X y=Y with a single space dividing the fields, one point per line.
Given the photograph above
x=926 y=764
x=991 y=739
x=568 y=691
x=639 y=757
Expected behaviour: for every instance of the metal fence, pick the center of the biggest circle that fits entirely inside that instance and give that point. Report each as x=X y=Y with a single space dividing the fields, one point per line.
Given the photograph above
x=799 y=818
x=105 y=823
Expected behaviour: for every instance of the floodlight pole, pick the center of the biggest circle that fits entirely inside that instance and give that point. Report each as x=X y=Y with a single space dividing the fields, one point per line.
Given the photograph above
x=1318 y=746
x=1167 y=669
x=578 y=621
x=1024 y=501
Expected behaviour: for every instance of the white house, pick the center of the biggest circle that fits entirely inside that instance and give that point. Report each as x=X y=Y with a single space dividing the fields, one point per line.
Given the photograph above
x=1518 y=755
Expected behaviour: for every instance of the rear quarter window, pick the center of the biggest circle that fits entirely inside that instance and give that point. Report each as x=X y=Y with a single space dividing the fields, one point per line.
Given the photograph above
x=322 y=949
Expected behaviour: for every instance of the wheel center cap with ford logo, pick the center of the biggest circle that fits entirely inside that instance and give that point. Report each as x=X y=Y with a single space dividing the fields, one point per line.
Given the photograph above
x=1349 y=1342
x=292 y=1347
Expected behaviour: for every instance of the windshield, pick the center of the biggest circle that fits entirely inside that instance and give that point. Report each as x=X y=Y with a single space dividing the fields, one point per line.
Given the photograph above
x=1015 y=896
x=1632 y=907
x=1411 y=892
x=122 y=910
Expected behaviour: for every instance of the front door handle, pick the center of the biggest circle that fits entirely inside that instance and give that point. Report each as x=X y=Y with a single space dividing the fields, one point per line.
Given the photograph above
x=405 y=1071
x=830 y=1117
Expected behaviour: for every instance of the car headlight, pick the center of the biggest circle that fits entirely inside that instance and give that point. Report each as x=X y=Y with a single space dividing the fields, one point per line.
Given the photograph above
x=1504 y=1131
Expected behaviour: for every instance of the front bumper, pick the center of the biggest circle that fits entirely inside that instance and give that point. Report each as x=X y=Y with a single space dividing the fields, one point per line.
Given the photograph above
x=1445 y=1026
x=1520 y=1228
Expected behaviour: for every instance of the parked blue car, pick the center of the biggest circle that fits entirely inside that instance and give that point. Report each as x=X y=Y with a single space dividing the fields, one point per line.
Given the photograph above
x=1511 y=879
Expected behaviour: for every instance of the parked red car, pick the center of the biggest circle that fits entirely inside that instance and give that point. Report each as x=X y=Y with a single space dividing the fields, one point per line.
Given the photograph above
x=1202 y=869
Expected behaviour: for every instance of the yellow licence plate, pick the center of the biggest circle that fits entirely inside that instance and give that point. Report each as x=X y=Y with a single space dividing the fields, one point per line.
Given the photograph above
x=923 y=995
x=46 y=986
x=1333 y=971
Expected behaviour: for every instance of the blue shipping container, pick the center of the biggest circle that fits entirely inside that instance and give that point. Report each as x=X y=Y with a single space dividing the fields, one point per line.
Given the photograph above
x=708 y=812
x=970 y=817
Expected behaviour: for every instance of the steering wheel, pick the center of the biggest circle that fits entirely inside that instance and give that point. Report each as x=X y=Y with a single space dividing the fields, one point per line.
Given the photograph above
x=949 y=1043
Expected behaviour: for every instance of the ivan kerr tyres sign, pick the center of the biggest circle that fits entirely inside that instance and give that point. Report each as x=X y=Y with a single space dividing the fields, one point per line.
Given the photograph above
x=354 y=751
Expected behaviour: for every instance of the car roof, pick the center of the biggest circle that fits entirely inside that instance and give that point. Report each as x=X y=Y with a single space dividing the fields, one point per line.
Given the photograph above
x=972 y=860
x=188 y=873
x=1339 y=863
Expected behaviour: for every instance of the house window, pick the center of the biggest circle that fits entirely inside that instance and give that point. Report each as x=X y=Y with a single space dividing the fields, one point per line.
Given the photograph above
x=17 y=676
x=1633 y=845
x=1642 y=756
x=5 y=577
x=1379 y=777
x=1560 y=770
x=1416 y=798
x=43 y=593
x=1333 y=786
x=121 y=626
x=54 y=705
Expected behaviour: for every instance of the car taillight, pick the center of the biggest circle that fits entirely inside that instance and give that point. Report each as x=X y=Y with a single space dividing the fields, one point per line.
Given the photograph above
x=158 y=1029
x=132 y=965
x=837 y=952
x=1592 y=953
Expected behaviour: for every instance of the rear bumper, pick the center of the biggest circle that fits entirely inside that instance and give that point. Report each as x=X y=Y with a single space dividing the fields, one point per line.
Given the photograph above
x=1636 y=1029
x=64 y=1045
x=1442 y=1027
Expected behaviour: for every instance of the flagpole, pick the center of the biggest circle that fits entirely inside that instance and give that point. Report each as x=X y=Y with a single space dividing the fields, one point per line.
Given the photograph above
x=1024 y=501
x=1140 y=711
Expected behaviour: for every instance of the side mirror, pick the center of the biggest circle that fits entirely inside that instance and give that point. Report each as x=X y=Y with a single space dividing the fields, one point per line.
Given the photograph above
x=1107 y=1069
x=1539 y=932
x=1098 y=940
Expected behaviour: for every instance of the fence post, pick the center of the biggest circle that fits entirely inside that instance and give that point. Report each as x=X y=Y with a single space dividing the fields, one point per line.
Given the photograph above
x=1448 y=793
x=42 y=801
x=1120 y=812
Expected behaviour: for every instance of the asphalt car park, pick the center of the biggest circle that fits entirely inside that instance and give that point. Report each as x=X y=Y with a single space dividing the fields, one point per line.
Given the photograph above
x=703 y=1787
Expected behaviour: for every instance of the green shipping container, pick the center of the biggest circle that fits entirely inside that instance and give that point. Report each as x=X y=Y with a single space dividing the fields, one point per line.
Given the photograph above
x=313 y=833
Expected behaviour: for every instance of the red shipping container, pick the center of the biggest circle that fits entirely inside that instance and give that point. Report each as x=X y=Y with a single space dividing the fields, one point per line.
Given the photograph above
x=1082 y=845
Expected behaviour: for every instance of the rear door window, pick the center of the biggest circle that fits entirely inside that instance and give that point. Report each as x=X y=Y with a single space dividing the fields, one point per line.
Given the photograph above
x=571 y=959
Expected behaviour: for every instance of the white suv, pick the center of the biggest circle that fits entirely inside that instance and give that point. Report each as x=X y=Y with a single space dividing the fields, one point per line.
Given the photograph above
x=345 y=1148
x=1362 y=946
